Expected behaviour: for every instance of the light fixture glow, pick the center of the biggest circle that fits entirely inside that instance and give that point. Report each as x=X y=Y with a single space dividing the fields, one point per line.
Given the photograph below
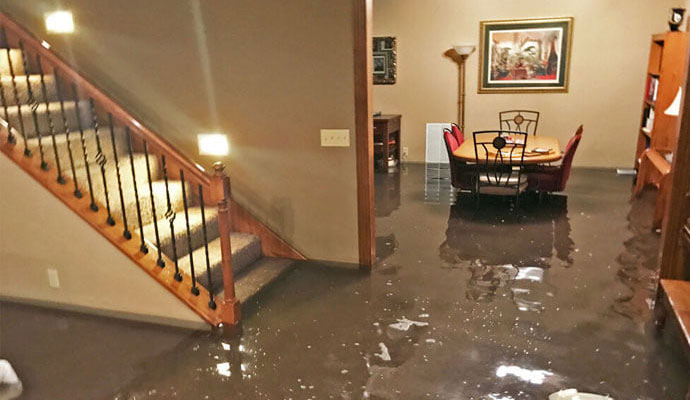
x=674 y=109
x=464 y=49
x=45 y=44
x=59 y=22
x=534 y=376
x=213 y=144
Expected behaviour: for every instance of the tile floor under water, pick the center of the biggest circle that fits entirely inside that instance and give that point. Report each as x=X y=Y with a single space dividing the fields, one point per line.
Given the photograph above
x=465 y=303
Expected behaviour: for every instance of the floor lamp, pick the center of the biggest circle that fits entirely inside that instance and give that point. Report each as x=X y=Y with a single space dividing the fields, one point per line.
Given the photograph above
x=461 y=54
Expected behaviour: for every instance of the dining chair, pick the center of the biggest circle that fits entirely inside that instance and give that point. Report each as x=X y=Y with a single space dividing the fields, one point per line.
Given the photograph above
x=519 y=120
x=457 y=132
x=500 y=157
x=548 y=179
x=461 y=174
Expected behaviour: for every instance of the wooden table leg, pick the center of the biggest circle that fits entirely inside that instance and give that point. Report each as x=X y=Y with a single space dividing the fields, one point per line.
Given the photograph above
x=641 y=174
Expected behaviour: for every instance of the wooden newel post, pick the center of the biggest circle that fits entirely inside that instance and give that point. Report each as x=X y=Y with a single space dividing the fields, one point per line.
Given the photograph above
x=221 y=194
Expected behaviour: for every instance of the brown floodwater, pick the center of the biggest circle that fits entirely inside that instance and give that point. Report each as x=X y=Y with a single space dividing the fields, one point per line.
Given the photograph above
x=494 y=302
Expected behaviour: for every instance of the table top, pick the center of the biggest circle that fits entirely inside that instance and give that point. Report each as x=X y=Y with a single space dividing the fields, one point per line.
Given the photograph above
x=384 y=117
x=466 y=150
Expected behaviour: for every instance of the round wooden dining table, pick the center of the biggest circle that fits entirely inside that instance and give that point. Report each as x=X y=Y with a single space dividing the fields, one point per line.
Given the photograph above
x=466 y=150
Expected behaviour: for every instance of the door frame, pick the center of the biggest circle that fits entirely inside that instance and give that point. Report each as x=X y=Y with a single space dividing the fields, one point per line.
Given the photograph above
x=364 y=130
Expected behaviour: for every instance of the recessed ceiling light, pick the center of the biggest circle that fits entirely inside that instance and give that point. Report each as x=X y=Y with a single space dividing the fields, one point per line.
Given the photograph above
x=59 y=22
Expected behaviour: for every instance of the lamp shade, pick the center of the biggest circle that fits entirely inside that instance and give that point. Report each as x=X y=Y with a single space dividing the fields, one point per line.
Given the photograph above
x=674 y=108
x=464 y=49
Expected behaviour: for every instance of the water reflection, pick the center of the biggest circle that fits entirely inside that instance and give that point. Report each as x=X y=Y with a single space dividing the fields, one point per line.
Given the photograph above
x=495 y=233
x=437 y=185
x=638 y=262
x=387 y=193
x=507 y=250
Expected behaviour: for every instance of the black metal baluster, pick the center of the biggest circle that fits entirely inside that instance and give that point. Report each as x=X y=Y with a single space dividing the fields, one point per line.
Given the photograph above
x=65 y=126
x=84 y=152
x=27 y=152
x=31 y=101
x=160 y=261
x=143 y=248
x=126 y=233
x=211 y=302
x=51 y=127
x=101 y=160
x=170 y=216
x=195 y=290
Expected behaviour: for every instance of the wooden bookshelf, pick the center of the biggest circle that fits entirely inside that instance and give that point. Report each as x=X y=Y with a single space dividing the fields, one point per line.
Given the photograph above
x=657 y=136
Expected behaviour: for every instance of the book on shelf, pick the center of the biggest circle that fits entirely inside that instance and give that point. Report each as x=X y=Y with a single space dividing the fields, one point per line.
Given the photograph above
x=648 y=119
x=652 y=88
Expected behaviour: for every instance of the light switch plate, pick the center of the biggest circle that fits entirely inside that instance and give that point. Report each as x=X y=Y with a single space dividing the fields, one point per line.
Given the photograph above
x=53 y=280
x=335 y=138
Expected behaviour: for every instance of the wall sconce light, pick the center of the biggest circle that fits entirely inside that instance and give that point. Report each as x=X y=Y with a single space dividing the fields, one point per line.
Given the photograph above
x=674 y=109
x=59 y=22
x=213 y=144
x=463 y=51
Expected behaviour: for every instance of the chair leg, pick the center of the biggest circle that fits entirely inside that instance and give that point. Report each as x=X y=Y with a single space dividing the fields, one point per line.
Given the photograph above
x=476 y=196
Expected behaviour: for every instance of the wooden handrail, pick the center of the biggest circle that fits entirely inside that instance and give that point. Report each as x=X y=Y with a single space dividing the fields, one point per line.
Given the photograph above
x=103 y=100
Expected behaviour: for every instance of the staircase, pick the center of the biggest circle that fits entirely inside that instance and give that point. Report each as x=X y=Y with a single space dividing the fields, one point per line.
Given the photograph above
x=159 y=207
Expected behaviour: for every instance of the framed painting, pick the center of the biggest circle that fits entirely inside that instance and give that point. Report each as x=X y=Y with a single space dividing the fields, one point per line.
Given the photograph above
x=385 y=53
x=527 y=55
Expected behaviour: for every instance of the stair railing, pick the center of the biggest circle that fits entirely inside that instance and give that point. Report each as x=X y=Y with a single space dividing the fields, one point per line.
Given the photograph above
x=91 y=108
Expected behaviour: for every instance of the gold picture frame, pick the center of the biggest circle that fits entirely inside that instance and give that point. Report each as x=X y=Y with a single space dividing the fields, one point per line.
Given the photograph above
x=525 y=55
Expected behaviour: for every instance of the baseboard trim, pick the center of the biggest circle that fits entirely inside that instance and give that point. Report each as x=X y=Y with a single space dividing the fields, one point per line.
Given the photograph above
x=123 y=315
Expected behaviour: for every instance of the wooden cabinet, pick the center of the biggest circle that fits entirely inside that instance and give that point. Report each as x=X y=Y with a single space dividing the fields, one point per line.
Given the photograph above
x=658 y=133
x=387 y=141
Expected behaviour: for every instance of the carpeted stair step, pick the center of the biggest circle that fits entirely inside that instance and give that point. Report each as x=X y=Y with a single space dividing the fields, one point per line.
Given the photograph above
x=144 y=200
x=55 y=115
x=17 y=64
x=36 y=88
x=246 y=249
x=111 y=174
x=75 y=142
x=180 y=227
x=260 y=275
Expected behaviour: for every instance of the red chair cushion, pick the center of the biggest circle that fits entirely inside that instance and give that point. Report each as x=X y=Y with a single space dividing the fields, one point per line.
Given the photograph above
x=459 y=136
x=567 y=162
x=451 y=141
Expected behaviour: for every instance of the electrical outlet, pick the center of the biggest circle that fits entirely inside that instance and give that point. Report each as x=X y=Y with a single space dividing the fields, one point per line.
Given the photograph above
x=405 y=153
x=335 y=138
x=53 y=280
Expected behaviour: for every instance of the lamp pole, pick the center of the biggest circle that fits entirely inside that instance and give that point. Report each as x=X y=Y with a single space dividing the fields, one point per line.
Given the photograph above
x=461 y=101
x=459 y=53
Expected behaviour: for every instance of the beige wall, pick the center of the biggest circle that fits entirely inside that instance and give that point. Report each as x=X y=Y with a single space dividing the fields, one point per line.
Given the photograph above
x=269 y=73
x=609 y=58
x=38 y=232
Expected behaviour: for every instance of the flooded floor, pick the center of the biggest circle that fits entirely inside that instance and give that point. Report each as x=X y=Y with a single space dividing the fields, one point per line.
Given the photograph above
x=465 y=303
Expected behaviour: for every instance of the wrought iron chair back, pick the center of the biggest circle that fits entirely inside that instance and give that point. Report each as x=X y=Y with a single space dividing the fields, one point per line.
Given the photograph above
x=519 y=120
x=499 y=157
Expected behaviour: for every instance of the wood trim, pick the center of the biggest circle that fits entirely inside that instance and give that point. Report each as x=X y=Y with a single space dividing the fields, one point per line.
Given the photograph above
x=364 y=131
x=677 y=210
x=97 y=219
x=87 y=89
x=271 y=244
